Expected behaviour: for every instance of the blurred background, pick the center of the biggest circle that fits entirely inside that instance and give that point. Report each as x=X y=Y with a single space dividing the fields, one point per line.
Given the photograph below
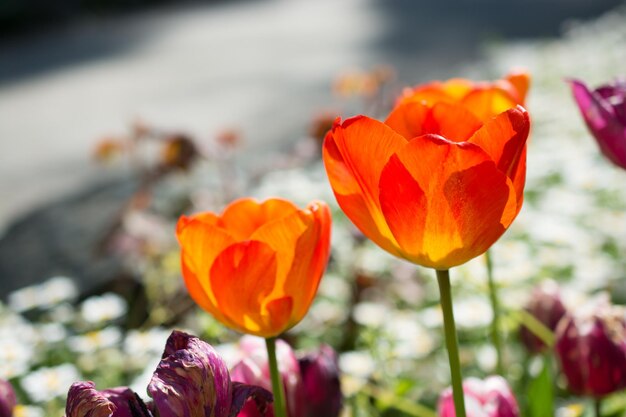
x=75 y=71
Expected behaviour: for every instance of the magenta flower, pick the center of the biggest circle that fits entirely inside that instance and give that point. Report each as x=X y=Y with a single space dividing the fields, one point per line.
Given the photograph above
x=320 y=381
x=604 y=111
x=491 y=397
x=311 y=383
x=546 y=306
x=7 y=399
x=191 y=380
x=591 y=349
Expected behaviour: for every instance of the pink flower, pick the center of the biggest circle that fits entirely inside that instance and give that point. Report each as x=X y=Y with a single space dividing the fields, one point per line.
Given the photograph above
x=604 y=111
x=490 y=397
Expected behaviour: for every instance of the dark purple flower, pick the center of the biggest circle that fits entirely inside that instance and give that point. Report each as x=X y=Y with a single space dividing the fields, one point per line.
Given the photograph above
x=604 y=111
x=591 y=349
x=7 y=399
x=546 y=306
x=491 y=397
x=191 y=380
x=320 y=379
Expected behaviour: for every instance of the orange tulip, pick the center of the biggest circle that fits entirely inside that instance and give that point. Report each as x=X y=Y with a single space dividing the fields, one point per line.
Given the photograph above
x=484 y=99
x=434 y=184
x=256 y=267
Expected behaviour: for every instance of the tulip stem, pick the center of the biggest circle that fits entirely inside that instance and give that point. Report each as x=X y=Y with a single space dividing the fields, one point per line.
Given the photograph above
x=277 y=386
x=597 y=406
x=443 y=278
x=495 y=322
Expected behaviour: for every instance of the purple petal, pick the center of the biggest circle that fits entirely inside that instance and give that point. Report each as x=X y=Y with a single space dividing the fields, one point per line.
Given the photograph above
x=83 y=400
x=251 y=401
x=191 y=379
x=320 y=378
x=127 y=402
x=604 y=119
x=591 y=348
x=7 y=399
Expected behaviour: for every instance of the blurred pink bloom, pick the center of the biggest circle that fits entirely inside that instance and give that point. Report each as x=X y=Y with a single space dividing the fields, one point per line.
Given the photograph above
x=491 y=397
x=604 y=111
x=311 y=383
x=7 y=399
x=546 y=306
x=253 y=369
x=591 y=349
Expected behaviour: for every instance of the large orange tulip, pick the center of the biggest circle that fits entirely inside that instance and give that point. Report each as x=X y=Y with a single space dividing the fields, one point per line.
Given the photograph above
x=256 y=267
x=434 y=184
x=484 y=99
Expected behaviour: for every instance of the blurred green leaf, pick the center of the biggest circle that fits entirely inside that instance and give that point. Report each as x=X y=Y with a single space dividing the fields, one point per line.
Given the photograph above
x=541 y=394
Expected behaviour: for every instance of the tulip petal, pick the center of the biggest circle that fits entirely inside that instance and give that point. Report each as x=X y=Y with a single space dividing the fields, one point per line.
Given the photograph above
x=601 y=120
x=243 y=217
x=520 y=80
x=83 y=400
x=201 y=241
x=242 y=278
x=251 y=400
x=355 y=153
x=504 y=139
x=450 y=120
x=488 y=101
x=445 y=202
x=191 y=380
x=8 y=400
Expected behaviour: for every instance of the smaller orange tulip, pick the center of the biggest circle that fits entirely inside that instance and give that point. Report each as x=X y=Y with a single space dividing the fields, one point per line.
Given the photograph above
x=256 y=267
x=484 y=99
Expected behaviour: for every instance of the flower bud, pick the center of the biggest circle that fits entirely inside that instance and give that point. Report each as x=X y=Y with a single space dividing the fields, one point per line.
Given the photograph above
x=7 y=399
x=491 y=397
x=320 y=380
x=591 y=349
x=546 y=306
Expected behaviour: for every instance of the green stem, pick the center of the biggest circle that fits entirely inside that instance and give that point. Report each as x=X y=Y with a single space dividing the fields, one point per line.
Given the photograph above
x=495 y=323
x=597 y=406
x=277 y=386
x=443 y=278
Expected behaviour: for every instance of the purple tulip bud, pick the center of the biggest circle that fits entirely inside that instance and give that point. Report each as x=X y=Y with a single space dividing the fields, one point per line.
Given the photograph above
x=320 y=379
x=604 y=111
x=591 y=348
x=491 y=397
x=83 y=400
x=253 y=368
x=7 y=399
x=546 y=306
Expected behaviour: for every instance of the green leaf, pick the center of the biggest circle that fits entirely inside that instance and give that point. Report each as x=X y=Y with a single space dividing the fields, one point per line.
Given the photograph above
x=541 y=393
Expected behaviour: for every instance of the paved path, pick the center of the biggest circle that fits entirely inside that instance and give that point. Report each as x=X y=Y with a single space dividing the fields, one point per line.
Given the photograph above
x=262 y=66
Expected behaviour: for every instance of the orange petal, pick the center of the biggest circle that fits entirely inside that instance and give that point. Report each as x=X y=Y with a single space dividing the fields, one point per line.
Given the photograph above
x=201 y=240
x=520 y=80
x=354 y=153
x=450 y=120
x=279 y=315
x=445 y=202
x=488 y=101
x=311 y=256
x=243 y=217
x=504 y=139
x=242 y=277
